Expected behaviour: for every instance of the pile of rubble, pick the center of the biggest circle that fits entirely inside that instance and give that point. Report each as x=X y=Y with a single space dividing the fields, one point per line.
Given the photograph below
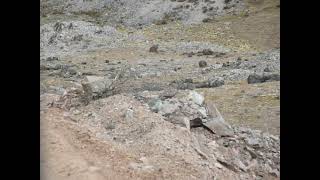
x=180 y=124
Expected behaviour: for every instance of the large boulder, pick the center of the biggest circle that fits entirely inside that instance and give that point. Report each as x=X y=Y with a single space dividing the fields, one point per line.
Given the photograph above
x=216 y=123
x=180 y=109
x=97 y=87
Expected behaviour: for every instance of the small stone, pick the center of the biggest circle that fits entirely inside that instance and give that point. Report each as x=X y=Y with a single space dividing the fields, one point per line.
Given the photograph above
x=106 y=61
x=142 y=64
x=144 y=160
x=77 y=38
x=206 y=20
x=52 y=59
x=275 y=173
x=207 y=52
x=252 y=141
x=93 y=78
x=161 y=22
x=215 y=82
x=202 y=64
x=129 y=114
x=155 y=105
x=177 y=68
x=218 y=165
x=76 y=112
x=109 y=125
x=154 y=49
x=197 y=122
x=267 y=69
x=189 y=80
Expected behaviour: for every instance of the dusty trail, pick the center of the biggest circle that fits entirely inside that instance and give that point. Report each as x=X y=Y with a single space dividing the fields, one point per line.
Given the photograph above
x=69 y=152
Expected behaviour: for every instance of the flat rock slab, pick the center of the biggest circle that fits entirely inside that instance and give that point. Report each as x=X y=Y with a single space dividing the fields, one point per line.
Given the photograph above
x=219 y=127
x=216 y=123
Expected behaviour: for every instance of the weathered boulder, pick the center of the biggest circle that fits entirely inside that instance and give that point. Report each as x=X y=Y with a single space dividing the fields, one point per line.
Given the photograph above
x=97 y=87
x=216 y=123
x=196 y=97
x=215 y=81
x=182 y=108
x=263 y=77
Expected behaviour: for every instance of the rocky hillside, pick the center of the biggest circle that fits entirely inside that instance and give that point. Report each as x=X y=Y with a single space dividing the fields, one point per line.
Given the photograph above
x=144 y=12
x=159 y=89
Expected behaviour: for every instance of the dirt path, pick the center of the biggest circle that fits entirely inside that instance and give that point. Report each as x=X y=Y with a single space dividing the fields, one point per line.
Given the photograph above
x=68 y=152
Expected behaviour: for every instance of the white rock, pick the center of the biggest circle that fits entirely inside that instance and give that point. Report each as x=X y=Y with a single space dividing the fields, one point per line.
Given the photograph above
x=129 y=114
x=196 y=97
x=93 y=78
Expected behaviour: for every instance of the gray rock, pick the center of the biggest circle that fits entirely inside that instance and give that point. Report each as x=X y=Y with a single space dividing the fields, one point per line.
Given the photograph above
x=186 y=86
x=91 y=79
x=196 y=97
x=206 y=20
x=216 y=82
x=216 y=122
x=275 y=173
x=252 y=141
x=267 y=69
x=155 y=105
x=177 y=68
x=68 y=71
x=129 y=114
x=168 y=93
x=207 y=52
x=169 y=107
x=255 y=78
x=53 y=58
x=154 y=49
x=97 y=87
x=219 y=127
x=264 y=77
x=181 y=108
x=189 y=84
x=197 y=122
x=72 y=97
x=202 y=64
